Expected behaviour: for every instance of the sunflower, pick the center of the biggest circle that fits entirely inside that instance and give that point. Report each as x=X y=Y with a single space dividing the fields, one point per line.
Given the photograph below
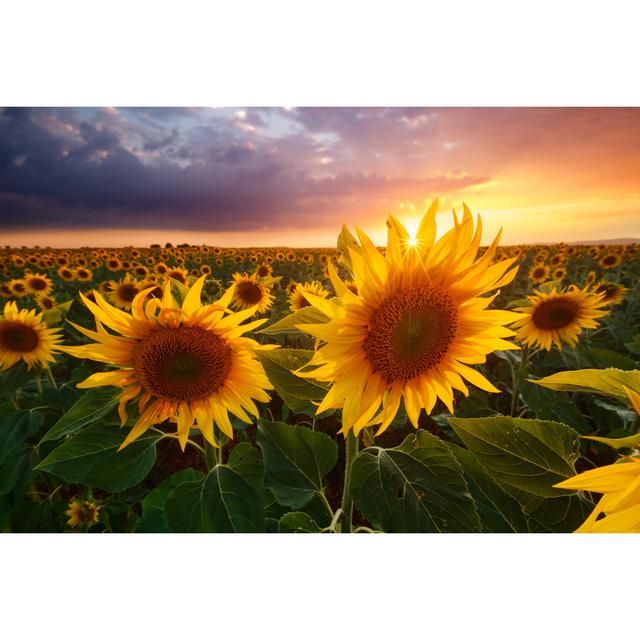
x=18 y=288
x=66 y=274
x=418 y=321
x=5 y=290
x=264 y=271
x=249 y=292
x=590 y=279
x=45 y=301
x=177 y=273
x=558 y=317
x=187 y=363
x=297 y=299
x=25 y=336
x=83 y=274
x=205 y=270
x=38 y=284
x=82 y=513
x=610 y=261
x=611 y=292
x=559 y=273
x=123 y=292
x=113 y=264
x=539 y=273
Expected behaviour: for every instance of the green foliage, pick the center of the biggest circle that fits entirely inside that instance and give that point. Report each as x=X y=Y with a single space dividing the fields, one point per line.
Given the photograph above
x=296 y=460
x=230 y=499
x=608 y=382
x=306 y=315
x=417 y=486
x=297 y=522
x=298 y=393
x=91 y=457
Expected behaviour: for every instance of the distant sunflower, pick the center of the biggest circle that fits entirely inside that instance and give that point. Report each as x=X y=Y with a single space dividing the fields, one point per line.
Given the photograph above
x=297 y=299
x=264 y=271
x=66 y=274
x=187 y=363
x=539 y=273
x=84 y=274
x=419 y=319
x=38 y=284
x=558 y=317
x=611 y=292
x=82 y=513
x=559 y=273
x=18 y=288
x=25 y=336
x=249 y=292
x=610 y=261
x=590 y=279
x=205 y=269
x=177 y=273
x=113 y=264
x=45 y=301
x=123 y=292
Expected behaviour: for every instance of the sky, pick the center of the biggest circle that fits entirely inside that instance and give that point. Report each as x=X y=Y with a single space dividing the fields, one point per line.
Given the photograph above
x=292 y=176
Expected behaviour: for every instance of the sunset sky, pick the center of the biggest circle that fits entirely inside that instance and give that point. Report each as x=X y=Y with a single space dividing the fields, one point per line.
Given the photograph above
x=280 y=176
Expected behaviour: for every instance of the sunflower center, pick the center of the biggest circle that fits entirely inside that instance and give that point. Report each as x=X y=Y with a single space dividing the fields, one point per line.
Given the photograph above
x=538 y=273
x=410 y=333
x=182 y=364
x=249 y=292
x=37 y=284
x=18 y=337
x=127 y=292
x=555 y=314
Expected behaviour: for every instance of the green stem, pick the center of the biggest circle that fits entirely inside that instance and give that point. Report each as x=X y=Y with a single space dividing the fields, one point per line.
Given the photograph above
x=210 y=455
x=52 y=380
x=351 y=448
x=516 y=377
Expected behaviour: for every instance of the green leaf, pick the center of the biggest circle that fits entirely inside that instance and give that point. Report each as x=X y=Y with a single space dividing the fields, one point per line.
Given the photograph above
x=307 y=315
x=634 y=345
x=91 y=457
x=91 y=407
x=57 y=314
x=525 y=455
x=629 y=442
x=297 y=522
x=296 y=459
x=499 y=512
x=152 y=519
x=230 y=499
x=295 y=391
x=544 y=404
x=415 y=487
x=608 y=382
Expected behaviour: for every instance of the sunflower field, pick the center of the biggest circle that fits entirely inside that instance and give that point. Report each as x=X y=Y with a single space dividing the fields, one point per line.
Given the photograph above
x=430 y=385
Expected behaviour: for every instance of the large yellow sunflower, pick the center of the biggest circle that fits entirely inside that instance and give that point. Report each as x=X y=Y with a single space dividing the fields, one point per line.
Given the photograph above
x=188 y=363
x=25 y=336
x=248 y=291
x=558 y=317
x=419 y=319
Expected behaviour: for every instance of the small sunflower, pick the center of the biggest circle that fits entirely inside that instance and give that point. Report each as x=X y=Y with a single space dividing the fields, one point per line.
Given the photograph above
x=177 y=273
x=611 y=292
x=82 y=513
x=38 y=284
x=590 y=279
x=558 y=317
x=66 y=274
x=25 y=336
x=187 y=363
x=297 y=299
x=46 y=302
x=123 y=292
x=610 y=261
x=419 y=319
x=84 y=274
x=18 y=288
x=249 y=292
x=264 y=271
x=559 y=273
x=113 y=264
x=539 y=273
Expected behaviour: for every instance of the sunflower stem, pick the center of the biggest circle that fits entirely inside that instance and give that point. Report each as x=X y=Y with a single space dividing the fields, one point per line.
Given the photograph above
x=52 y=380
x=210 y=455
x=351 y=448
x=517 y=374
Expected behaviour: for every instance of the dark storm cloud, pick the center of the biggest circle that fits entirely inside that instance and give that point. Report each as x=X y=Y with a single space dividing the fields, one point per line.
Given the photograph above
x=203 y=169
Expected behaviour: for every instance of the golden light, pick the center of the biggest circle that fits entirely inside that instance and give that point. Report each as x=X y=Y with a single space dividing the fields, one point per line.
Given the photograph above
x=411 y=225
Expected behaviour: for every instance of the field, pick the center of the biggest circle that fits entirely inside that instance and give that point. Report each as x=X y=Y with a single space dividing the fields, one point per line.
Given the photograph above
x=188 y=465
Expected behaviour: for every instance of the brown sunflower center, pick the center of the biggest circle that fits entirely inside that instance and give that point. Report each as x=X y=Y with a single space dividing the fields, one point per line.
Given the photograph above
x=38 y=284
x=410 y=332
x=555 y=314
x=18 y=337
x=182 y=364
x=609 y=291
x=609 y=260
x=249 y=292
x=127 y=292
x=538 y=273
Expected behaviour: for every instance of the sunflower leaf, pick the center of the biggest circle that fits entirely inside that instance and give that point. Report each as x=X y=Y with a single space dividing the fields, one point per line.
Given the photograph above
x=91 y=407
x=297 y=522
x=415 y=487
x=230 y=499
x=527 y=456
x=91 y=457
x=296 y=459
x=608 y=382
x=307 y=315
